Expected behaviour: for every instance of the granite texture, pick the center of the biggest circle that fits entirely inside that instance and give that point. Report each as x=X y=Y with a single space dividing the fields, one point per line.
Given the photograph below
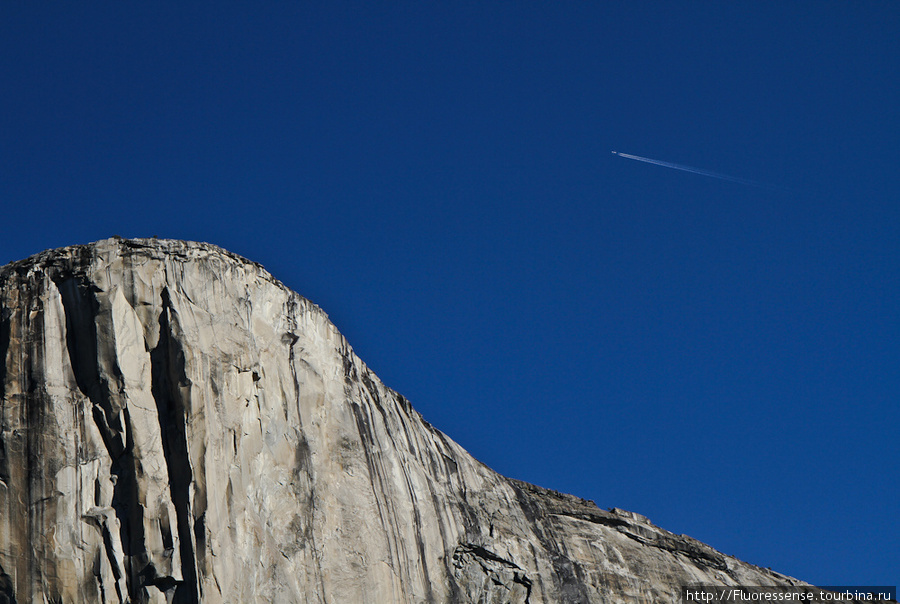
x=178 y=426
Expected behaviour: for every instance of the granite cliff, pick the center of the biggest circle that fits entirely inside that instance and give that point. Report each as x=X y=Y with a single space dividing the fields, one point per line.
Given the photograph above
x=178 y=426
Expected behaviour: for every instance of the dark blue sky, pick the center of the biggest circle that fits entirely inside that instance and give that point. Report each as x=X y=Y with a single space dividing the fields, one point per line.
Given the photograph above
x=438 y=176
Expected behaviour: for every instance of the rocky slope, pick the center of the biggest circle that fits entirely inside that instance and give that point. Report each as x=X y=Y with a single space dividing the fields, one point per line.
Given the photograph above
x=178 y=426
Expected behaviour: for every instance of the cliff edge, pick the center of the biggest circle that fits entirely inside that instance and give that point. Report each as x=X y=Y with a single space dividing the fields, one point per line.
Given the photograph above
x=178 y=426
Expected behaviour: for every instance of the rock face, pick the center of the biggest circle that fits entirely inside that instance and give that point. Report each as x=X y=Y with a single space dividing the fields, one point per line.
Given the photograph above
x=178 y=426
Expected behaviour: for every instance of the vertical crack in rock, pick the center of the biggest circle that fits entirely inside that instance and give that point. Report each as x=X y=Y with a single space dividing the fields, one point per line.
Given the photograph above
x=5 y=315
x=305 y=485
x=15 y=518
x=7 y=591
x=82 y=311
x=377 y=484
x=168 y=377
x=7 y=587
x=433 y=483
x=374 y=400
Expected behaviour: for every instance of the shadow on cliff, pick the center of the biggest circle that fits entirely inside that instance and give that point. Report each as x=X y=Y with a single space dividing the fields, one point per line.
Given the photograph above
x=111 y=416
x=167 y=362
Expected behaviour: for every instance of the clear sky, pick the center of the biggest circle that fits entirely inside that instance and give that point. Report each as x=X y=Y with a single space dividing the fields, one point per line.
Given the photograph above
x=438 y=177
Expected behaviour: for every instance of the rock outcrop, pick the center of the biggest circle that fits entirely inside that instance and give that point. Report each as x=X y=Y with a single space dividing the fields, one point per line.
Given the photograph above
x=178 y=426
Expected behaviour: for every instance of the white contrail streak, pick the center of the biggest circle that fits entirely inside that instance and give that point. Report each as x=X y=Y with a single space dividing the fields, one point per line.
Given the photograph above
x=668 y=164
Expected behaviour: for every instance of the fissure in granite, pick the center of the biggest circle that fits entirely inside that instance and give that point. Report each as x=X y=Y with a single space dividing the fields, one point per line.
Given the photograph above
x=87 y=349
x=5 y=315
x=304 y=483
x=169 y=384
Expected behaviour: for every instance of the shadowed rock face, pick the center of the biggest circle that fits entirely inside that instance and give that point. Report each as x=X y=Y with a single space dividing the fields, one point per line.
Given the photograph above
x=178 y=426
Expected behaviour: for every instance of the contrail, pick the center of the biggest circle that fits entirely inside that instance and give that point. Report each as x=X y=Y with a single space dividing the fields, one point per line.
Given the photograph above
x=668 y=164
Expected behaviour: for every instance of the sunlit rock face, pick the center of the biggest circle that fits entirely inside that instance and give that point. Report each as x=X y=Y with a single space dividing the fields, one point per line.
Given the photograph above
x=178 y=426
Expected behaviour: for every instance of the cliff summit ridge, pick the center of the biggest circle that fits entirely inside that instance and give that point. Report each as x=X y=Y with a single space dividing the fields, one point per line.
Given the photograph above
x=176 y=425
